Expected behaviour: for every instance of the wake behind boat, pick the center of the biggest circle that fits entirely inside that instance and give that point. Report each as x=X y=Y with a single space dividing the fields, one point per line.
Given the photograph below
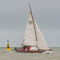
x=33 y=41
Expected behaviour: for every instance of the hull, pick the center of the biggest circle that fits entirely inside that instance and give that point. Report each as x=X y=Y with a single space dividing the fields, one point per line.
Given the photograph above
x=38 y=51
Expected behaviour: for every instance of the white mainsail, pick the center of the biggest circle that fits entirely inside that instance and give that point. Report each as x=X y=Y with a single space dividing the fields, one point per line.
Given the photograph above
x=29 y=36
x=41 y=43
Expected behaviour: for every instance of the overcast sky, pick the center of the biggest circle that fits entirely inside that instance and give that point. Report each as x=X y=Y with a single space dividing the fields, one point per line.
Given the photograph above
x=14 y=15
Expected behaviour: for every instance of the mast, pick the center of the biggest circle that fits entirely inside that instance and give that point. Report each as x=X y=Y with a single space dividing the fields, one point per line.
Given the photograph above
x=32 y=20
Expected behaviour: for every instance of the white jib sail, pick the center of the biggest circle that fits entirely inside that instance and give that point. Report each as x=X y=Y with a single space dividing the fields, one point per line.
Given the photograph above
x=41 y=43
x=29 y=36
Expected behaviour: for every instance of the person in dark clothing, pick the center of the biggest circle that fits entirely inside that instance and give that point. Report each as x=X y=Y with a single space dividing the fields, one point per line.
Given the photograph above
x=24 y=47
x=15 y=48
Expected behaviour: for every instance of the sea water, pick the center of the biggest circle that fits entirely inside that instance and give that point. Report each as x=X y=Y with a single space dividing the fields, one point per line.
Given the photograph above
x=30 y=56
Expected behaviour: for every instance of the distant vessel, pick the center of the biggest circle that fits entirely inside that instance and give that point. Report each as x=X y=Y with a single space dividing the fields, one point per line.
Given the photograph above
x=34 y=41
x=8 y=46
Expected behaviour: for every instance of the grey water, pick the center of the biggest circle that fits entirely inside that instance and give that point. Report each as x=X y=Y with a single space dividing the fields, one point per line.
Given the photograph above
x=30 y=56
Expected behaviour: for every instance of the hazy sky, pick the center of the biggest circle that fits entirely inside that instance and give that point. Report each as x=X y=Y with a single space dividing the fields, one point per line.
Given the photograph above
x=14 y=15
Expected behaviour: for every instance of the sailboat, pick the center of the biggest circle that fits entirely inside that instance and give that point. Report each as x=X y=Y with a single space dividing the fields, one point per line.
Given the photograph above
x=34 y=41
